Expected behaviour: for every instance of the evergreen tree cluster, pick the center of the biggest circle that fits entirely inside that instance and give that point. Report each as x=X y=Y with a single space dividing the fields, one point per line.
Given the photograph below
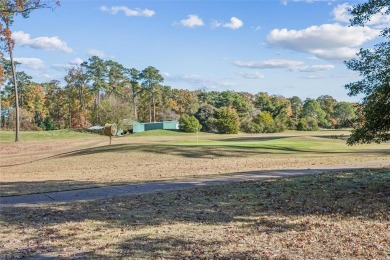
x=103 y=91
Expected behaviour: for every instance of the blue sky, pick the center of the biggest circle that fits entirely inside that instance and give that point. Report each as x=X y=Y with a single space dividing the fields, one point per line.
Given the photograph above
x=283 y=47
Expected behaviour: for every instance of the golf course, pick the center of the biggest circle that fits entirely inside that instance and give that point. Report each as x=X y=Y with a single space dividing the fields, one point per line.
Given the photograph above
x=344 y=213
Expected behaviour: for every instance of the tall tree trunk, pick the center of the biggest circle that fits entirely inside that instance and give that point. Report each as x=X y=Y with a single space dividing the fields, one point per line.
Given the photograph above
x=150 y=113
x=135 y=105
x=135 y=110
x=17 y=123
x=154 y=110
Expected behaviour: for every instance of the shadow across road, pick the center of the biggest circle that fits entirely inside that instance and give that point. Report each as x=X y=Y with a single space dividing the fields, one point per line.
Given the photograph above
x=258 y=207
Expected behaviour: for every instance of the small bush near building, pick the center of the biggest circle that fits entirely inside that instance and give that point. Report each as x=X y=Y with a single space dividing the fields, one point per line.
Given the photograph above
x=189 y=124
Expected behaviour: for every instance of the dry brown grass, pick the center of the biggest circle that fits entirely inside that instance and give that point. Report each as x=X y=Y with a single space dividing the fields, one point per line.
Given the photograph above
x=42 y=166
x=328 y=216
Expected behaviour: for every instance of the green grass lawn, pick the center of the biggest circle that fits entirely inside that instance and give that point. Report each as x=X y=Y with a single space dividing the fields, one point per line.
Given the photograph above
x=304 y=145
x=9 y=136
x=66 y=160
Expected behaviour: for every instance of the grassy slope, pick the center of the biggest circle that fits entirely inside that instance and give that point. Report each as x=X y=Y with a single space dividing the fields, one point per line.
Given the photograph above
x=69 y=163
x=9 y=136
x=329 y=216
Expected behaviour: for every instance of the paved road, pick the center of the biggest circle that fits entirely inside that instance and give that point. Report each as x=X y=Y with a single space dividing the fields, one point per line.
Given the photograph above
x=140 y=188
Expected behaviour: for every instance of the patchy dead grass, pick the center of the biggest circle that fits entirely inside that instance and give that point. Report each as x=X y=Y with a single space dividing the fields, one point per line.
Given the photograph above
x=328 y=216
x=56 y=165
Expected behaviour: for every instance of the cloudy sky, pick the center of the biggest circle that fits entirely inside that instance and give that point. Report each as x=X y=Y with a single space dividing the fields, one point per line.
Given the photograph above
x=283 y=47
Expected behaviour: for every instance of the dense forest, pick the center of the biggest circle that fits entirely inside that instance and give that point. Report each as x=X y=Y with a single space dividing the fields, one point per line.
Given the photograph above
x=100 y=91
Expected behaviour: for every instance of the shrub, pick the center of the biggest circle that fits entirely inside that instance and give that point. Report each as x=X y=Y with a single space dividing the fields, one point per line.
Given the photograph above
x=227 y=121
x=267 y=123
x=307 y=124
x=205 y=115
x=48 y=124
x=248 y=126
x=189 y=124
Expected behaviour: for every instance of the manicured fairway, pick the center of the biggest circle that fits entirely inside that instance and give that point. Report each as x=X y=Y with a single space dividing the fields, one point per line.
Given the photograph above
x=63 y=160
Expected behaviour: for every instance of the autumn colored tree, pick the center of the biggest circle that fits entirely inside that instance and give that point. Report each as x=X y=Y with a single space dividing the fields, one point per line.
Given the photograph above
x=55 y=102
x=8 y=10
x=266 y=122
x=78 y=96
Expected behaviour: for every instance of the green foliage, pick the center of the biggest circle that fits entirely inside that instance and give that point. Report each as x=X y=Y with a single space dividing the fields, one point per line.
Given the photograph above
x=308 y=124
x=189 y=124
x=112 y=110
x=374 y=67
x=327 y=104
x=234 y=100
x=344 y=114
x=227 y=121
x=205 y=116
x=248 y=126
x=48 y=124
x=376 y=126
x=312 y=109
x=266 y=122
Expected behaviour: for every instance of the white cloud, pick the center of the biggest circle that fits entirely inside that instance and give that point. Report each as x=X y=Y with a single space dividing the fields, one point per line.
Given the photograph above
x=285 y=2
x=327 y=41
x=342 y=14
x=45 y=43
x=192 y=21
x=71 y=63
x=314 y=68
x=268 y=64
x=252 y=75
x=33 y=63
x=76 y=62
x=292 y=65
x=234 y=24
x=199 y=81
x=95 y=52
x=127 y=11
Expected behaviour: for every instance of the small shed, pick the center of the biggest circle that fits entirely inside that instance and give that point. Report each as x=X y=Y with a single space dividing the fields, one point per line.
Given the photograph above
x=137 y=127
x=171 y=125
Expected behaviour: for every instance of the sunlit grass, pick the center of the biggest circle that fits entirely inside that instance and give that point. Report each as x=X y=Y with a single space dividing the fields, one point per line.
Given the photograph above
x=295 y=144
x=9 y=136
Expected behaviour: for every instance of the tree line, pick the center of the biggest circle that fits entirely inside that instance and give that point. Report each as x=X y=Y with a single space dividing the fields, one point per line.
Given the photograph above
x=100 y=91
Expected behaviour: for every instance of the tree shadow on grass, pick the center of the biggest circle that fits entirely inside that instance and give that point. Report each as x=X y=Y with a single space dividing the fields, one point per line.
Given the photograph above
x=17 y=188
x=364 y=195
x=254 y=138
x=211 y=151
